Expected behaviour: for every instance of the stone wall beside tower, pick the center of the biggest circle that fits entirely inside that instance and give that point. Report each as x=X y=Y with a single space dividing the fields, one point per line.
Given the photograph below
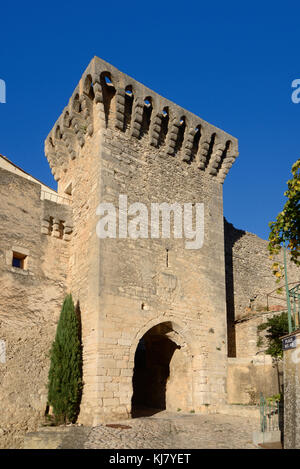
x=34 y=257
x=252 y=298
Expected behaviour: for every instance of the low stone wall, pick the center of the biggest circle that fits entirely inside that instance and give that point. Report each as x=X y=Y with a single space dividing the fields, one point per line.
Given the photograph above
x=246 y=411
x=250 y=376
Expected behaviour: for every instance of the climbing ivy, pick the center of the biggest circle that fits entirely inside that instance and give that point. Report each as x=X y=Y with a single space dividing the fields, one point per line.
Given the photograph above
x=286 y=228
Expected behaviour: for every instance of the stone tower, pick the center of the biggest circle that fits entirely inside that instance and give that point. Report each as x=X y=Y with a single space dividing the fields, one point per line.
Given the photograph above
x=153 y=312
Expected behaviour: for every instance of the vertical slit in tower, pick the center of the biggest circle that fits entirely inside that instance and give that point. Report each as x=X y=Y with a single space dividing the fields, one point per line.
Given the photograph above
x=196 y=142
x=128 y=107
x=58 y=134
x=77 y=104
x=164 y=126
x=61 y=228
x=50 y=227
x=146 y=116
x=180 y=135
x=88 y=87
x=67 y=121
x=92 y=92
x=108 y=91
x=210 y=149
x=224 y=154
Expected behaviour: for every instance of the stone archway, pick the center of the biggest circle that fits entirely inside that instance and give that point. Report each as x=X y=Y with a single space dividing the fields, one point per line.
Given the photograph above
x=162 y=376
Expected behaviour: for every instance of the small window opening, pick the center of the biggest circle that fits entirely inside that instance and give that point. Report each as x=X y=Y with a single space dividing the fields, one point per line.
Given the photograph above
x=167 y=257
x=19 y=260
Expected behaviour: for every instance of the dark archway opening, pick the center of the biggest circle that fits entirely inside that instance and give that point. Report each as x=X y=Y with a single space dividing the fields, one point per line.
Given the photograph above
x=151 y=372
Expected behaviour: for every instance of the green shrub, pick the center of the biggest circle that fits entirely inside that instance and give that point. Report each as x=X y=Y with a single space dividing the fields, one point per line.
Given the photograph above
x=275 y=398
x=65 y=374
x=276 y=327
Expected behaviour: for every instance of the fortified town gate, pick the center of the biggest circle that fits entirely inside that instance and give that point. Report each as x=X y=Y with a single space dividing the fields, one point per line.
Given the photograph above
x=153 y=311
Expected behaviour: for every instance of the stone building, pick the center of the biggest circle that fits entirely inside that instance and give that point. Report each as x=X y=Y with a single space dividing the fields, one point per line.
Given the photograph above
x=158 y=319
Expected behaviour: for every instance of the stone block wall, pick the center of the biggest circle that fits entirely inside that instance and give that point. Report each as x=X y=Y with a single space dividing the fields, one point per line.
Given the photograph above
x=30 y=302
x=250 y=376
x=249 y=279
x=118 y=137
x=248 y=273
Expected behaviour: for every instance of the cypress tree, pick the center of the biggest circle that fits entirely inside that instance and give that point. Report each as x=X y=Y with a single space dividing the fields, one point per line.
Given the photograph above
x=65 y=374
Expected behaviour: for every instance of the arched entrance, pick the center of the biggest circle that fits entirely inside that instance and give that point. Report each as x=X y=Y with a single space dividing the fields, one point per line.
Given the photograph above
x=162 y=373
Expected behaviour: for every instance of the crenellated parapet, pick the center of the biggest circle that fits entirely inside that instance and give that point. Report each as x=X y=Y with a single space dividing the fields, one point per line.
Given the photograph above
x=57 y=220
x=123 y=105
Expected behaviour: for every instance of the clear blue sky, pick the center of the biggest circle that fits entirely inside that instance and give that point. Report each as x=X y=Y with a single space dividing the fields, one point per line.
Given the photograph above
x=229 y=62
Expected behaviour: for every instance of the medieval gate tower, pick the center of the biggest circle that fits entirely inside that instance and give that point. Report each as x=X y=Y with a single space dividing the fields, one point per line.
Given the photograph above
x=153 y=312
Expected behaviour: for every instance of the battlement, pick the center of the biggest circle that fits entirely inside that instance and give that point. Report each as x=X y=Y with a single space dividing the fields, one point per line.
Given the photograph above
x=122 y=104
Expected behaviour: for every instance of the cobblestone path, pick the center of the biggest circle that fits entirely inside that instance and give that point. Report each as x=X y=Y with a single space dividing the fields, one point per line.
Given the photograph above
x=167 y=430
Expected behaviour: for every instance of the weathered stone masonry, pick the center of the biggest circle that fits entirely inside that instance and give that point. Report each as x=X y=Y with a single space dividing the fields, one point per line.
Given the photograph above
x=154 y=314
x=118 y=137
x=248 y=280
x=30 y=298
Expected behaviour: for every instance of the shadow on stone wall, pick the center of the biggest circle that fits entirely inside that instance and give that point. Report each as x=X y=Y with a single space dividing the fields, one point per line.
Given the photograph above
x=231 y=236
x=78 y=314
